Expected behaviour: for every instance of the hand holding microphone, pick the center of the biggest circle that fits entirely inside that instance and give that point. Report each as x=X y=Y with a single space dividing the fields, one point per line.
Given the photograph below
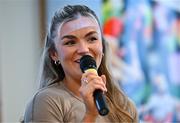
x=88 y=66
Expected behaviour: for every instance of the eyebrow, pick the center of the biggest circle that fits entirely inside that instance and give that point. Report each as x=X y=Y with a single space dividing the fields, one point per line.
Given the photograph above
x=90 y=33
x=68 y=36
x=74 y=37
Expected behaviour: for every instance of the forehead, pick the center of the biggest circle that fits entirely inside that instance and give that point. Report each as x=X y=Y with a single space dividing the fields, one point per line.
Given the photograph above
x=77 y=24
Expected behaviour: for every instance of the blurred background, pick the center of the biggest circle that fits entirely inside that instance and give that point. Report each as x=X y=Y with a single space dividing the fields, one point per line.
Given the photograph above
x=144 y=37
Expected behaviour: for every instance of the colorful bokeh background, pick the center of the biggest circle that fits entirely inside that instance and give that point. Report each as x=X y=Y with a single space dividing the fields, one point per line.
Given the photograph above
x=145 y=39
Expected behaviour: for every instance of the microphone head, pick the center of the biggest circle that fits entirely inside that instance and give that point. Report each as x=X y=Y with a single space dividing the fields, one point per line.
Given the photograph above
x=87 y=62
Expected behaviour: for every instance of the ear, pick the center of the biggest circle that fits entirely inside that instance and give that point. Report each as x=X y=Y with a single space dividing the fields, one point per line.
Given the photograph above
x=53 y=55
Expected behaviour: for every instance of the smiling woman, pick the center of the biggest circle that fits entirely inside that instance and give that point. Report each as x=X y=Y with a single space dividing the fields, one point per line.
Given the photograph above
x=75 y=32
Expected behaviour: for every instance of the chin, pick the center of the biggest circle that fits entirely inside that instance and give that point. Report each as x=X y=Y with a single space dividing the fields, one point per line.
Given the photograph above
x=77 y=73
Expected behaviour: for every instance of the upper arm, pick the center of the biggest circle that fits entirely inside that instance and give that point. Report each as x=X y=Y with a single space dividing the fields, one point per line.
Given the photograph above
x=44 y=108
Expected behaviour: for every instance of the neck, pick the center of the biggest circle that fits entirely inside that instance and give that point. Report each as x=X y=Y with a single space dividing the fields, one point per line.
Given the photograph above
x=73 y=85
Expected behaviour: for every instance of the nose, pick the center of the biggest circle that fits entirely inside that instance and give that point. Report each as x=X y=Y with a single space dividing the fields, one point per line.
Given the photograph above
x=83 y=48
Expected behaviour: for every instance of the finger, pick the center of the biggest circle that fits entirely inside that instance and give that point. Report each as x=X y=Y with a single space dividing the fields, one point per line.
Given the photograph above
x=99 y=79
x=93 y=77
x=90 y=74
x=87 y=76
x=90 y=77
x=103 y=78
x=84 y=81
x=92 y=85
x=97 y=84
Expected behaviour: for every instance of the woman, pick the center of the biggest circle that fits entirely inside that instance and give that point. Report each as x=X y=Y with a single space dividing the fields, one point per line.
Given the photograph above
x=64 y=95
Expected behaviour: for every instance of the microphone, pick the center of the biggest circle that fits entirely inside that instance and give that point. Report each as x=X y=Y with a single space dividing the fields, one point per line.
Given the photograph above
x=88 y=64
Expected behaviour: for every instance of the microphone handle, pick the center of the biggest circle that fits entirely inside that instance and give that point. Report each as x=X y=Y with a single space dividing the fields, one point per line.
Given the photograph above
x=100 y=101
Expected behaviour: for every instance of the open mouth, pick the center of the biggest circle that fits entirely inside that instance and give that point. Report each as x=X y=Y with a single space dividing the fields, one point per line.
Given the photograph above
x=77 y=61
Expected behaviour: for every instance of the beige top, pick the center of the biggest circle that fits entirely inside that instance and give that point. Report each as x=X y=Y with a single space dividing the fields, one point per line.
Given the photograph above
x=56 y=103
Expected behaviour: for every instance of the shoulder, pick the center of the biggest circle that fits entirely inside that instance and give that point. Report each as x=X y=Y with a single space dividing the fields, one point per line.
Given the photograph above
x=53 y=91
x=52 y=94
x=45 y=101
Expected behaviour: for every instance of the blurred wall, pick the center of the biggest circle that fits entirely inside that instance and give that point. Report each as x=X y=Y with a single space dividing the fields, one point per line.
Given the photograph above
x=19 y=55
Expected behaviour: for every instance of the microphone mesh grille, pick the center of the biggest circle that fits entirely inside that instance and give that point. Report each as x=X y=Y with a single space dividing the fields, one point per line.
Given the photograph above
x=87 y=62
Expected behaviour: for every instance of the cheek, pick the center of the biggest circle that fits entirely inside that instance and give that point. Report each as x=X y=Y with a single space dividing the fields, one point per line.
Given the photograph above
x=62 y=53
x=99 y=51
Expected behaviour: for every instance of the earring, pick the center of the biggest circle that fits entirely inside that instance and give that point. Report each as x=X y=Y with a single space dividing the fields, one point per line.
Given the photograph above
x=57 y=62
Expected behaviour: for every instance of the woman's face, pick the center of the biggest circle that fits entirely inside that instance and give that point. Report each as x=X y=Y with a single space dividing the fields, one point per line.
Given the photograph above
x=76 y=38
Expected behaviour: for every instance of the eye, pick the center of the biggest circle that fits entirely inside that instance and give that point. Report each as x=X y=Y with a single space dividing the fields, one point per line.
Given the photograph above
x=92 y=39
x=70 y=43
